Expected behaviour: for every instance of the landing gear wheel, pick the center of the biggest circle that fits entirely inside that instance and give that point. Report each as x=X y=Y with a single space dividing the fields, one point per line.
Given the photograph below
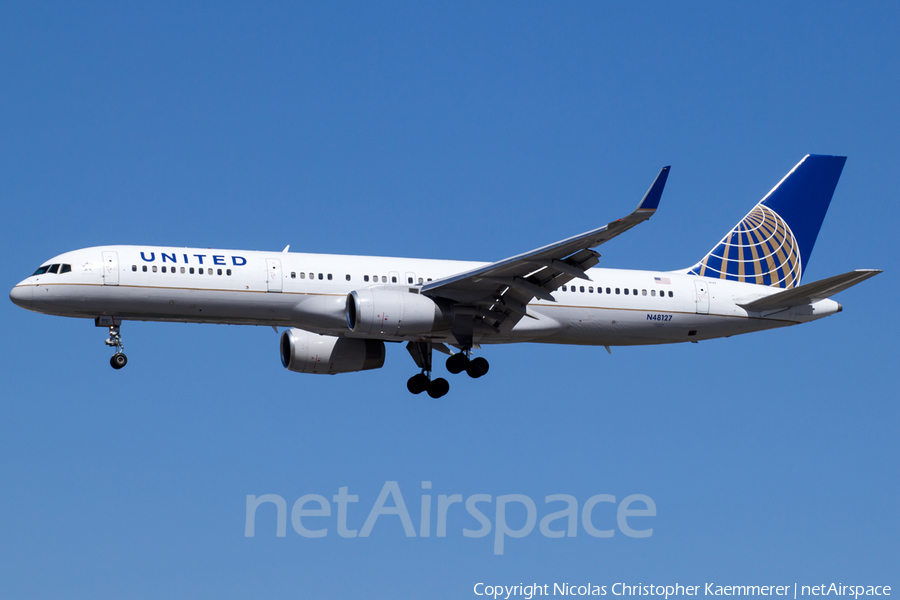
x=418 y=383
x=477 y=367
x=457 y=363
x=118 y=360
x=438 y=387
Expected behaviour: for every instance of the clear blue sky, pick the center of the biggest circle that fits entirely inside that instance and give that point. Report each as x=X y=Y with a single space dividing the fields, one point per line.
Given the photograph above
x=473 y=131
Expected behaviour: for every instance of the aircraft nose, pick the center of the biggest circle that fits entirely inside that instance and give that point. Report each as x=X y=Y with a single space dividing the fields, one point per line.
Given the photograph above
x=21 y=295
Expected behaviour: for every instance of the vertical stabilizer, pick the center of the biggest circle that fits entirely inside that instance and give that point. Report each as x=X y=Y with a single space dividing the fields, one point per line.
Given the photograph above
x=772 y=244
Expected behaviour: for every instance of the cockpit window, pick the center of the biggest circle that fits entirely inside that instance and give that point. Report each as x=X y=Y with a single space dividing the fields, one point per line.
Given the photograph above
x=41 y=270
x=53 y=269
x=65 y=269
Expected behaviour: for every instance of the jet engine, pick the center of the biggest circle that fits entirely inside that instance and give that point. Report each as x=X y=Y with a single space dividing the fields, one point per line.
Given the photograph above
x=305 y=352
x=389 y=312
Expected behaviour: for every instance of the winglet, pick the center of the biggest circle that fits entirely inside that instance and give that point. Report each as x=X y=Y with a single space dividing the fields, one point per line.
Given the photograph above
x=651 y=198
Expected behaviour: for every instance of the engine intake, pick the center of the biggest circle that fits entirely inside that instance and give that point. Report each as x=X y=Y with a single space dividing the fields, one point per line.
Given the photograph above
x=305 y=352
x=392 y=313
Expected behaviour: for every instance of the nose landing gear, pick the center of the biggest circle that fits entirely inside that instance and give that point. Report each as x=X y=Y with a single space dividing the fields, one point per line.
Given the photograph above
x=118 y=360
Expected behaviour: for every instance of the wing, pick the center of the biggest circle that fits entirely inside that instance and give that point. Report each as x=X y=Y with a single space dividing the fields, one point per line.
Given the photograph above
x=496 y=295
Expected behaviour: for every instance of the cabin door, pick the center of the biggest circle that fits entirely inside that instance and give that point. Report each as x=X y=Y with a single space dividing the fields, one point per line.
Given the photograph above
x=110 y=268
x=702 y=290
x=273 y=275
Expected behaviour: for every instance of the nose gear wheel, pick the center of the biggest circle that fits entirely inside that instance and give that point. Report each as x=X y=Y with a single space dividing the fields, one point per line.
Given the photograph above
x=118 y=360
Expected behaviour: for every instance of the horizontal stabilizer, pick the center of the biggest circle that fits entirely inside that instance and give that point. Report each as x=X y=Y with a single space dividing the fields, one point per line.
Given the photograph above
x=810 y=292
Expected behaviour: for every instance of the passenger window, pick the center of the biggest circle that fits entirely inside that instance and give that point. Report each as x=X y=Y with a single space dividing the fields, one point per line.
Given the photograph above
x=384 y=279
x=329 y=277
x=590 y=289
x=409 y=280
x=671 y=295
x=53 y=269
x=393 y=279
x=321 y=275
x=191 y=270
x=228 y=272
x=429 y=279
x=133 y=268
x=635 y=292
x=293 y=275
x=626 y=291
x=420 y=280
x=199 y=271
x=653 y=292
x=154 y=268
x=144 y=269
x=302 y=275
x=609 y=292
x=219 y=271
x=347 y=277
x=182 y=270
x=643 y=292
x=366 y=278
x=581 y=289
x=564 y=289
x=164 y=269
x=209 y=271
x=617 y=290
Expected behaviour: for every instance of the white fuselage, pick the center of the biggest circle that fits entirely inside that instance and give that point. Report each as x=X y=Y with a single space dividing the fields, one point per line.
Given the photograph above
x=308 y=291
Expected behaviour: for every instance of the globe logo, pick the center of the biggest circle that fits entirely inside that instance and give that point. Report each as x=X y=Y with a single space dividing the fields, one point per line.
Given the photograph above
x=761 y=249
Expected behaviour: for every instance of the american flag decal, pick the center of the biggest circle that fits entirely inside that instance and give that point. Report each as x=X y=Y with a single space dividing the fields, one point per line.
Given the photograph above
x=662 y=280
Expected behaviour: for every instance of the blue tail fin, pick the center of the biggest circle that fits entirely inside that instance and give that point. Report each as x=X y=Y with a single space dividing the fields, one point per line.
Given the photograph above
x=772 y=244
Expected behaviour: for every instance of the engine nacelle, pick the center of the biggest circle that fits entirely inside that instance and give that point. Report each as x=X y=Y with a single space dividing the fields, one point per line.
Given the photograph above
x=389 y=312
x=305 y=352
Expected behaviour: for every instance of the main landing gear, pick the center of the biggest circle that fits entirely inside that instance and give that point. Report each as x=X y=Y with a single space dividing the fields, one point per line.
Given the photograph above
x=118 y=360
x=422 y=382
x=474 y=367
x=457 y=363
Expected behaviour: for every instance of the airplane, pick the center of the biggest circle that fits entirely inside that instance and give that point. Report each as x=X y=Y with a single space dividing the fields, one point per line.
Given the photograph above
x=340 y=310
